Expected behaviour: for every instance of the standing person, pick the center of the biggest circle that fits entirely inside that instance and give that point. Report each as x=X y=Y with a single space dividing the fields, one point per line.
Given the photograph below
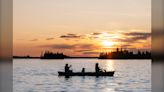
x=67 y=68
x=83 y=70
x=97 y=68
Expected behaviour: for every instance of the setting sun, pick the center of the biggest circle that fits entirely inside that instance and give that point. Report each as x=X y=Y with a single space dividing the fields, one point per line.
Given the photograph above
x=107 y=43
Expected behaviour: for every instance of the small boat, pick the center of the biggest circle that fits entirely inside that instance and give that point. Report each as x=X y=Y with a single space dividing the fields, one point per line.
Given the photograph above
x=109 y=73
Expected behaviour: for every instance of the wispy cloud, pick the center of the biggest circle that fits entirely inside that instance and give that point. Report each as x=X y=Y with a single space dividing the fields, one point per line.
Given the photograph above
x=128 y=37
x=81 y=36
x=138 y=34
x=83 y=50
x=34 y=40
x=96 y=53
x=96 y=33
x=73 y=46
x=134 y=37
x=49 y=38
x=72 y=36
x=59 y=46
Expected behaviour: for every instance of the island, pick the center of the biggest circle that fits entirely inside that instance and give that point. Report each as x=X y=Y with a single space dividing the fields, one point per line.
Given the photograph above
x=125 y=54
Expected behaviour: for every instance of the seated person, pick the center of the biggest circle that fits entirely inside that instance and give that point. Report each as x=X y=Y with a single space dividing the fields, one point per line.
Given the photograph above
x=98 y=69
x=67 y=68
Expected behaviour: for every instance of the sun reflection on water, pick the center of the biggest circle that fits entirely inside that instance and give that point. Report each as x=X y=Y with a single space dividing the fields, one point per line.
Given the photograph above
x=109 y=65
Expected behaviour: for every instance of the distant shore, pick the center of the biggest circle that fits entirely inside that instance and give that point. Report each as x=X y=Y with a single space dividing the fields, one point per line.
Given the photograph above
x=25 y=57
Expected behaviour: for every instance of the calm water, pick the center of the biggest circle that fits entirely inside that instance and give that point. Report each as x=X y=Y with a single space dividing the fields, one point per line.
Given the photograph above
x=35 y=75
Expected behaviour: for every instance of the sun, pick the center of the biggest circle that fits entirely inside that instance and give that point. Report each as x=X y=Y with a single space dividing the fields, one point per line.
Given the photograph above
x=107 y=43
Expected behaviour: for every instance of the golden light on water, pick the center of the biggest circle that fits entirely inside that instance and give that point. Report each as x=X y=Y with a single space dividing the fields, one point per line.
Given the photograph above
x=109 y=65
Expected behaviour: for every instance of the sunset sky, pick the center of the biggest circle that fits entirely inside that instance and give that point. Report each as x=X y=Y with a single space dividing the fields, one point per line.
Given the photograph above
x=80 y=27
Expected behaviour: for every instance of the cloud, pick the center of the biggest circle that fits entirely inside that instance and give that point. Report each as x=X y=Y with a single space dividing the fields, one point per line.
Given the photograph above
x=59 y=46
x=138 y=34
x=128 y=37
x=91 y=53
x=92 y=36
x=134 y=37
x=126 y=46
x=83 y=50
x=49 y=38
x=34 y=40
x=75 y=47
x=96 y=33
x=72 y=36
x=86 y=45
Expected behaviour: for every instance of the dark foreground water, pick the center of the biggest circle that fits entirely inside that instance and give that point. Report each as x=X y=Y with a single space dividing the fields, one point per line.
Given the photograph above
x=35 y=75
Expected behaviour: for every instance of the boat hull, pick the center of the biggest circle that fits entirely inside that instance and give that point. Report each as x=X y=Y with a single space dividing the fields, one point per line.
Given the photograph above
x=111 y=73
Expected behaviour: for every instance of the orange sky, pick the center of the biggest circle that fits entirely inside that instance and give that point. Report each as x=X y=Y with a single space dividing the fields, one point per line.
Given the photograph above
x=80 y=27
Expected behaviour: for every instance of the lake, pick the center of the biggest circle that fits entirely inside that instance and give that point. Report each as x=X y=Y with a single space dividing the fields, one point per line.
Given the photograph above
x=36 y=75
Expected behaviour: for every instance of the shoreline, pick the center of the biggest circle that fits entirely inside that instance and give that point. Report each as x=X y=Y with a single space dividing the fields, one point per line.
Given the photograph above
x=83 y=58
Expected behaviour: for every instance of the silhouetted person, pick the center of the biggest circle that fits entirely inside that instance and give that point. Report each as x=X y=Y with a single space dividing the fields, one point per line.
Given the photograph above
x=97 y=68
x=67 y=68
x=83 y=70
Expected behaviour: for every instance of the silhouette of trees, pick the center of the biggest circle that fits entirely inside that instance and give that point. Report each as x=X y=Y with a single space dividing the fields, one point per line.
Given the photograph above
x=51 y=55
x=124 y=54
